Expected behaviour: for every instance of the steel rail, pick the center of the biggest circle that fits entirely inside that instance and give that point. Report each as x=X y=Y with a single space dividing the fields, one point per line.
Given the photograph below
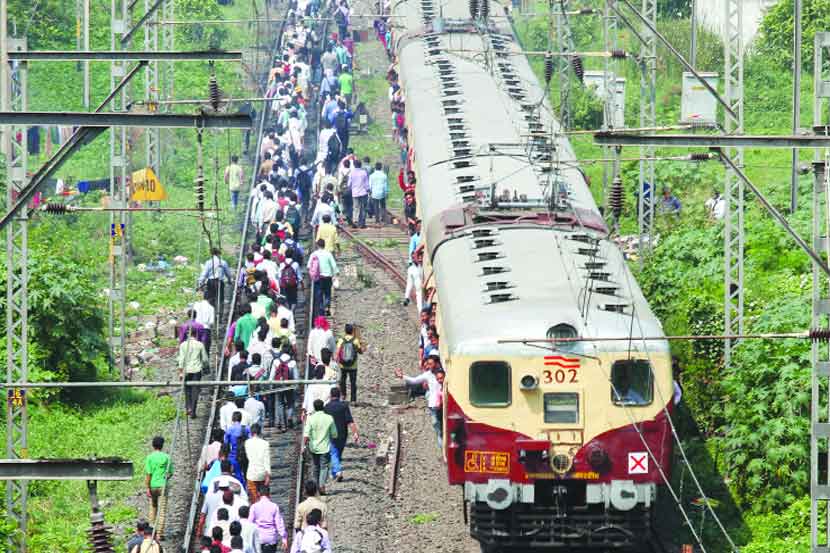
x=373 y=255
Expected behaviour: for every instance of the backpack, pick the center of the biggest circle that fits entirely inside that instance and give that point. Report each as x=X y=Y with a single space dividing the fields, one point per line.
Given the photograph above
x=288 y=277
x=334 y=146
x=282 y=372
x=311 y=542
x=345 y=188
x=293 y=216
x=348 y=352
x=340 y=122
x=339 y=17
x=314 y=268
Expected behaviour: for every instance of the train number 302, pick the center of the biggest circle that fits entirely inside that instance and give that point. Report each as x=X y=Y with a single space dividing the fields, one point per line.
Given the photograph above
x=559 y=376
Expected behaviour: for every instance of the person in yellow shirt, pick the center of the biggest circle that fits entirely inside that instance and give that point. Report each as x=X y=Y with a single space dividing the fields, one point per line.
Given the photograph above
x=328 y=233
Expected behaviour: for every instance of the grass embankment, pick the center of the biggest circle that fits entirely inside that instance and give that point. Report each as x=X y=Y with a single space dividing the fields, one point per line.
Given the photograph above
x=747 y=427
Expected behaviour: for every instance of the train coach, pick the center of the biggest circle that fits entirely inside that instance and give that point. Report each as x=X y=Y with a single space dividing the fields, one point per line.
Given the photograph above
x=555 y=443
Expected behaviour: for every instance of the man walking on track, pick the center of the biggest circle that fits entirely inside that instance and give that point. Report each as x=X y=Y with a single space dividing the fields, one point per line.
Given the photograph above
x=318 y=433
x=158 y=467
x=322 y=268
x=234 y=175
x=259 y=462
x=348 y=350
x=215 y=275
x=343 y=422
x=191 y=361
x=265 y=514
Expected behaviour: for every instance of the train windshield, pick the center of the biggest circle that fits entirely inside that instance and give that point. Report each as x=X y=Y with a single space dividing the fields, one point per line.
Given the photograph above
x=490 y=384
x=632 y=382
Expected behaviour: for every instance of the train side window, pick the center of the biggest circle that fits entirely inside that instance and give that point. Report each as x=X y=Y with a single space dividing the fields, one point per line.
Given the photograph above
x=633 y=382
x=490 y=384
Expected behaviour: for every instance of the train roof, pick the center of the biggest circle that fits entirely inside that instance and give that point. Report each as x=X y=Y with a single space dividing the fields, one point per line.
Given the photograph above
x=509 y=263
x=484 y=127
x=547 y=277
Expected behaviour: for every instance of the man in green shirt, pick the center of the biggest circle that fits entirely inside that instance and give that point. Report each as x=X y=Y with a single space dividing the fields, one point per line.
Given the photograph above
x=159 y=467
x=317 y=435
x=346 y=85
x=245 y=326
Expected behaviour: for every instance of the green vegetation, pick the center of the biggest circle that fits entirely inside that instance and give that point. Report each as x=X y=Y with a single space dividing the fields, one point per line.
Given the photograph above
x=423 y=518
x=128 y=421
x=747 y=428
x=69 y=259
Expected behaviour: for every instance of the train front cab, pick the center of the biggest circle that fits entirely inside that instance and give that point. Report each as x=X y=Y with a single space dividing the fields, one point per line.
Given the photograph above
x=546 y=453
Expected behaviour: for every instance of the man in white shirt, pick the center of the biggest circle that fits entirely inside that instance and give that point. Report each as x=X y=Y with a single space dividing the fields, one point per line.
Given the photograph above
x=434 y=378
x=250 y=533
x=322 y=208
x=226 y=411
x=259 y=462
x=284 y=313
x=267 y=264
x=213 y=500
x=267 y=208
x=205 y=315
x=414 y=280
x=256 y=409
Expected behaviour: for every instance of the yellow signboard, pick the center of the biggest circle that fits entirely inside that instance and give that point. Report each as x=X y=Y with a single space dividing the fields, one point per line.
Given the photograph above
x=146 y=187
x=487 y=461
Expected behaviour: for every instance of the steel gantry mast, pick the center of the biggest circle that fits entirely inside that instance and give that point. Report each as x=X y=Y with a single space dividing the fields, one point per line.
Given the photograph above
x=610 y=28
x=733 y=228
x=119 y=194
x=565 y=45
x=13 y=97
x=648 y=119
x=820 y=354
x=82 y=42
x=152 y=87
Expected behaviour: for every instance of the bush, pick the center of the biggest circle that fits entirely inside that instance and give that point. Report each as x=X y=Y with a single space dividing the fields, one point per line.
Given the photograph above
x=775 y=36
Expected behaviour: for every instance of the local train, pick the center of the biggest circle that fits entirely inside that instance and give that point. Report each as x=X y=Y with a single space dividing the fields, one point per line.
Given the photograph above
x=556 y=444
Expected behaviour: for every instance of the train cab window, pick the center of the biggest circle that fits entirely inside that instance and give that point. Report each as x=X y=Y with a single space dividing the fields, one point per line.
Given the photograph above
x=633 y=382
x=490 y=384
x=562 y=407
x=563 y=330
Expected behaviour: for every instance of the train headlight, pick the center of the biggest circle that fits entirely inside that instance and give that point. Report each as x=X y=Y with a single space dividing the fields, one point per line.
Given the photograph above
x=529 y=383
x=598 y=458
x=561 y=463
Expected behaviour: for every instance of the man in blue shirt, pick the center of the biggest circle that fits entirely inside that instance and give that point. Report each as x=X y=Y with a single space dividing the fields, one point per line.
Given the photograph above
x=379 y=186
x=215 y=274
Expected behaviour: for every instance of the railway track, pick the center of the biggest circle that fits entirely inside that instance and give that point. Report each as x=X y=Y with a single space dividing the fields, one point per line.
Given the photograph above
x=385 y=247
x=288 y=464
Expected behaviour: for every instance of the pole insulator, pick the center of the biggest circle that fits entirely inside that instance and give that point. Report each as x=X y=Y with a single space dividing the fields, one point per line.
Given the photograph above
x=579 y=69
x=213 y=92
x=817 y=334
x=619 y=54
x=615 y=199
x=700 y=157
x=55 y=209
x=548 y=66
x=484 y=9
x=474 y=9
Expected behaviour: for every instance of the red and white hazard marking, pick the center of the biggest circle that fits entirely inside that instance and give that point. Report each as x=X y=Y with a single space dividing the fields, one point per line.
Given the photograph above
x=638 y=462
